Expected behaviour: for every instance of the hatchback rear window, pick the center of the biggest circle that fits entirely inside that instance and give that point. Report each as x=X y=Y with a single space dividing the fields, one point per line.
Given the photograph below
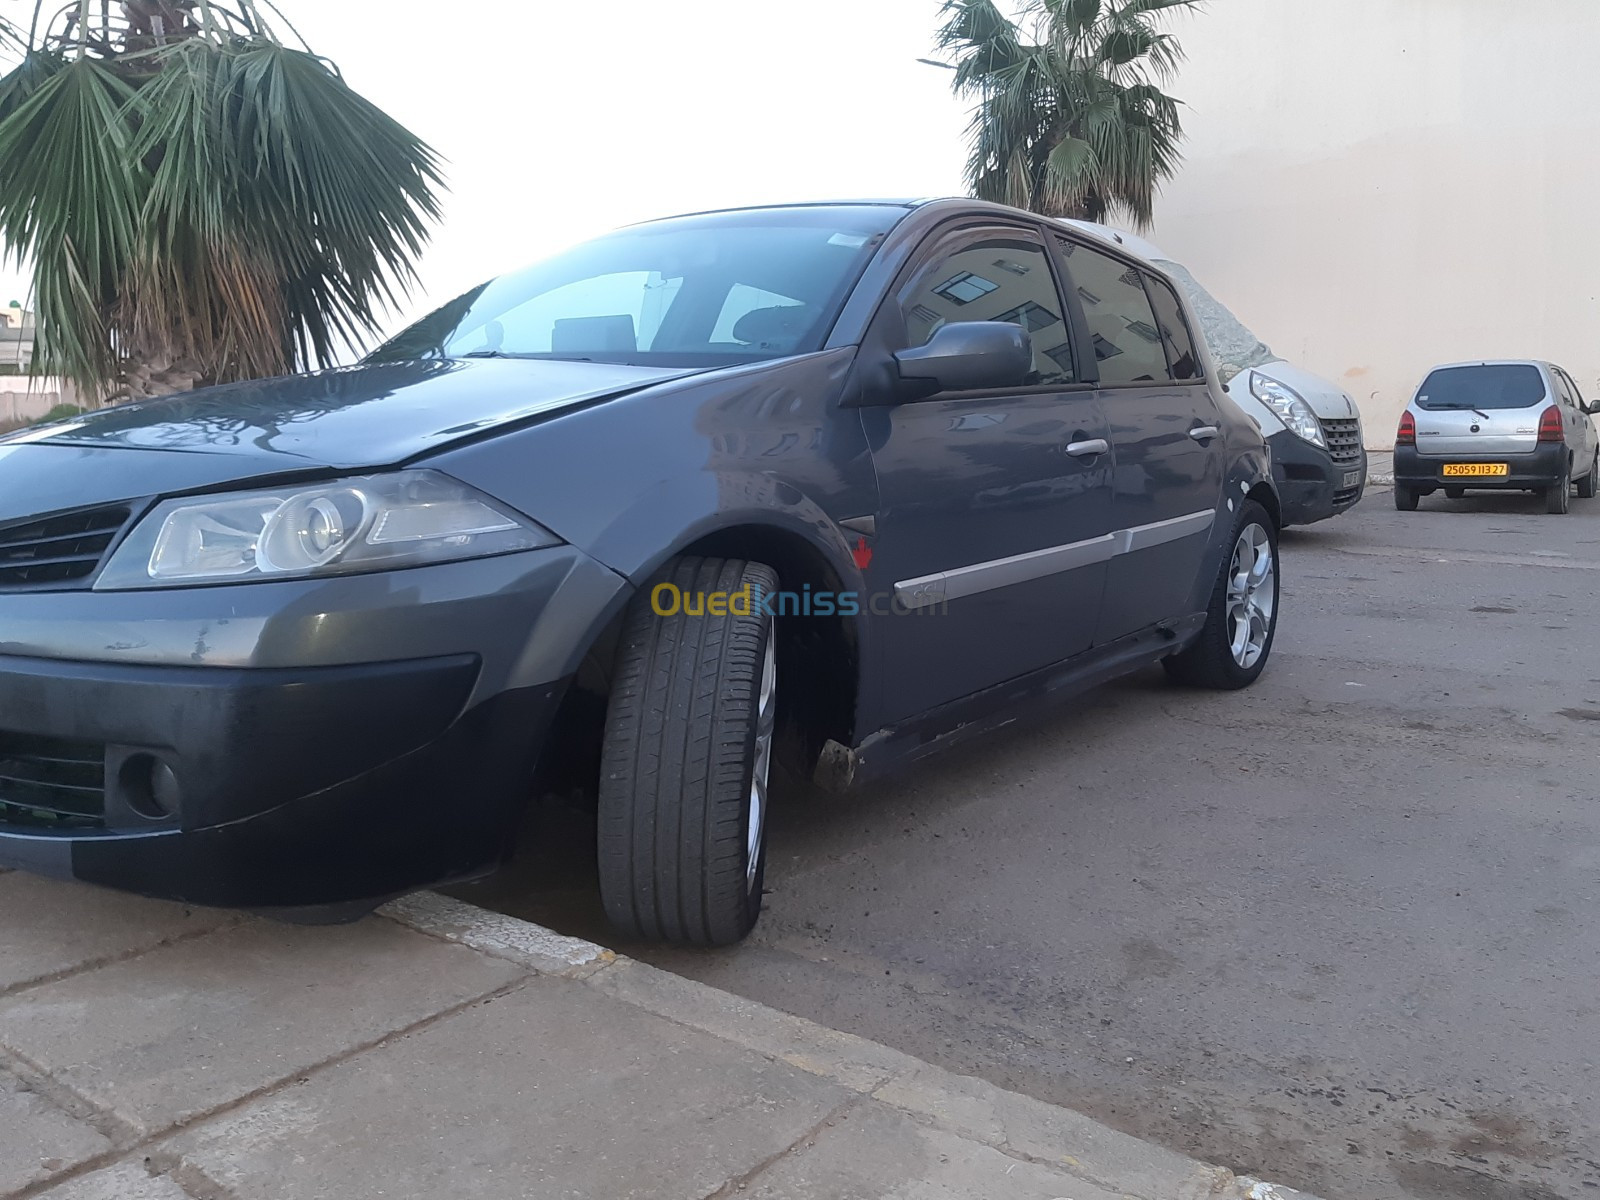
x=1514 y=386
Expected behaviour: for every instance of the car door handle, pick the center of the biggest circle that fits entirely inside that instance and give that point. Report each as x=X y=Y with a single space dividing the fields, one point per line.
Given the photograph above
x=1204 y=433
x=1089 y=448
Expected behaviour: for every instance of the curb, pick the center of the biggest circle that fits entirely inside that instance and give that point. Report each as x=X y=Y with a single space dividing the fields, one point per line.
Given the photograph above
x=1016 y=1125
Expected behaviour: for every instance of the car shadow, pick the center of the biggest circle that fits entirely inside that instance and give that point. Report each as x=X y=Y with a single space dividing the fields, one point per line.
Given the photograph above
x=552 y=878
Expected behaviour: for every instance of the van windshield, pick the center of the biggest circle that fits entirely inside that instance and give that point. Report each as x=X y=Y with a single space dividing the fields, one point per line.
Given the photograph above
x=1233 y=346
x=1517 y=385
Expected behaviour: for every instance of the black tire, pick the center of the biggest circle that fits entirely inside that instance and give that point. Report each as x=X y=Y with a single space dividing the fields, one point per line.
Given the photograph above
x=1589 y=485
x=1405 y=498
x=1454 y=493
x=679 y=761
x=1558 y=496
x=1210 y=661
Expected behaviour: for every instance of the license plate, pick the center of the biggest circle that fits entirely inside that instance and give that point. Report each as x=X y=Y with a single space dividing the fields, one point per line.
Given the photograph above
x=1351 y=478
x=1457 y=470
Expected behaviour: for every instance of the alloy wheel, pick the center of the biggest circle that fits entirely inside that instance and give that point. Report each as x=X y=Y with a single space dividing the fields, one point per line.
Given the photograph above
x=1252 y=596
x=766 y=722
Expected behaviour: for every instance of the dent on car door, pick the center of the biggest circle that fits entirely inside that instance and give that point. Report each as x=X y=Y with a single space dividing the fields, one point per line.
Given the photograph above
x=1165 y=437
x=990 y=550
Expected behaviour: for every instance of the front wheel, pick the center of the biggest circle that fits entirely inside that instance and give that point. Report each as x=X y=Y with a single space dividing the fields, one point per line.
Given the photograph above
x=687 y=756
x=1242 y=619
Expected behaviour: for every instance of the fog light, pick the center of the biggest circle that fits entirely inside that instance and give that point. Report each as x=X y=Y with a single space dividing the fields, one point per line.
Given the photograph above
x=150 y=786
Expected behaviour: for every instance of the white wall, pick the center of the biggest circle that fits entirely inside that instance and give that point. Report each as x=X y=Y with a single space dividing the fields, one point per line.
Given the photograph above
x=1377 y=186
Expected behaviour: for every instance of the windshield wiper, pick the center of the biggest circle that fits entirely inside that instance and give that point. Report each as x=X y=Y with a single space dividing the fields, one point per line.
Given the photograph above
x=484 y=354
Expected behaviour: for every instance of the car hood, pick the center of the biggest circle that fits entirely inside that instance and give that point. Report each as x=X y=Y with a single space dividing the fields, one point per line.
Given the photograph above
x=366 y=416
x=1327 y=400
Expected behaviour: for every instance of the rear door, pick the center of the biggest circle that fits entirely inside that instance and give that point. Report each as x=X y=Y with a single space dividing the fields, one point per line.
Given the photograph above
x=1165 y=437
x=994 y=524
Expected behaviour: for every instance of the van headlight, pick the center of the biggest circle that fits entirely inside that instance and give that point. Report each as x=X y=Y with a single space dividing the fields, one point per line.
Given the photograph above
x=1290 y=406
x=365 y=523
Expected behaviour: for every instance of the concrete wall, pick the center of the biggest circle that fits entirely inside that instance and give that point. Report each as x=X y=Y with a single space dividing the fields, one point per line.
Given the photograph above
x=20 y=402
x=1377 y=186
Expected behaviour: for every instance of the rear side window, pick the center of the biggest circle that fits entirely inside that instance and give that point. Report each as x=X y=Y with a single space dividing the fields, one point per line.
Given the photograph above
x=1182 y=361
x=1517 y=385
x=1123 y=326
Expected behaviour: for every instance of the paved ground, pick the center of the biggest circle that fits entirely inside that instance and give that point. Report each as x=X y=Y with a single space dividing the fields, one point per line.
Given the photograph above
x=1341 y=924
x=152 y=1052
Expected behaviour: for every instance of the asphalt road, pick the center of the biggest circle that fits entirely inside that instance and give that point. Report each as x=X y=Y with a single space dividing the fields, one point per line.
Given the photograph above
x=1339 y=928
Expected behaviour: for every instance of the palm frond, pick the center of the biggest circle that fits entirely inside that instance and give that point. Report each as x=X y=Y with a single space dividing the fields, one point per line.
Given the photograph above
x=69 y=202
x=1068 y=118
x=192 y=191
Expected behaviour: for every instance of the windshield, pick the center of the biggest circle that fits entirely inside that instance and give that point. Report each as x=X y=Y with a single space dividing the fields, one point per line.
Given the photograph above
x=1484 y=387
x=695 y=291
x=1233 y=346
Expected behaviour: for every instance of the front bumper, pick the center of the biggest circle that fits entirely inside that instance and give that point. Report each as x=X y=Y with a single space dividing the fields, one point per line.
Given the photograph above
x=315 y=784
x=1311 y=485
x=1543 y=467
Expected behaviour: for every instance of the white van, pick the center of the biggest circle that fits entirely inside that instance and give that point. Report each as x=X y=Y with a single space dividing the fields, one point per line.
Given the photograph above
x=1318 y=457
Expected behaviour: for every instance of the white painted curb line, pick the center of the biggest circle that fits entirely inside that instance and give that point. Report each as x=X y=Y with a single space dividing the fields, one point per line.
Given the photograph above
x=1018 y=1125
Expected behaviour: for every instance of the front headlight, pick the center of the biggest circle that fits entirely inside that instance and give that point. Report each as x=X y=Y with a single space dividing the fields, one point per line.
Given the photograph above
x=1291 y=408
x=368 y=523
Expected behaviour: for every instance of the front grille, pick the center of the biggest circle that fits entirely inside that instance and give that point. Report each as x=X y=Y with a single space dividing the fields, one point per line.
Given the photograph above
x=51 y=783
x=1345 y=495
x=1344 y=440
x=57 y=551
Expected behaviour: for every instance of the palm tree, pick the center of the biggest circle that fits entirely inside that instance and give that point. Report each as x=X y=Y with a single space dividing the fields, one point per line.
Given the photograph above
x=1070 y=118
x=198 y=201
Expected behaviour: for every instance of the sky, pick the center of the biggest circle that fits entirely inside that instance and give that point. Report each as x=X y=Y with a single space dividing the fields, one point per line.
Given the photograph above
x=559 y=121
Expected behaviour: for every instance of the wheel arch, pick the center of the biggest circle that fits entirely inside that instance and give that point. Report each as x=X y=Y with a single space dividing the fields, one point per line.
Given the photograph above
x=820 y=657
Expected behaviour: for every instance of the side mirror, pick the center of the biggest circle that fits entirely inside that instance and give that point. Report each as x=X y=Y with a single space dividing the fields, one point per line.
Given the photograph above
x=1592 y=408
x=966 y=355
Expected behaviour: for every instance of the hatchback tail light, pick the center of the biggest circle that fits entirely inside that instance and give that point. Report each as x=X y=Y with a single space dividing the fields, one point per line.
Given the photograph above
x=1407 y=436
x=1551 y=427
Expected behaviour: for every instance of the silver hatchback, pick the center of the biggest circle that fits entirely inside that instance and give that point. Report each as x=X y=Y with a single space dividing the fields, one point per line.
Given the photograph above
x=1501 y=426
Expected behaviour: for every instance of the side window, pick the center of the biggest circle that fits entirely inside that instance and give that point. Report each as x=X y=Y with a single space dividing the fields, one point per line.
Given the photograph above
x=1182 y=361
x=1577 y=393
x=994 y=279
x=1127 y=336
x=1569 y=390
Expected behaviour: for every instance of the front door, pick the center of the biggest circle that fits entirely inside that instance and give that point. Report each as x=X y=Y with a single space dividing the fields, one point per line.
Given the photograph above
x=994 y=521
x=1165 y=436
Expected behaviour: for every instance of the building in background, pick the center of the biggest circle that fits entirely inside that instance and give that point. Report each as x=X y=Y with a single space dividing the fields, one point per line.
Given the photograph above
x=23 y=399
x=16 y=339
x=1379 y=186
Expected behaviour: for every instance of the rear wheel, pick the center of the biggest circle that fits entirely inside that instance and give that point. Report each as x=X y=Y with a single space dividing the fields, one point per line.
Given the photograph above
x=1405 y=498
x=1558 y=496
x=1233 y=647
x=1454 y=493
x=688 y=753
x=1589 y=485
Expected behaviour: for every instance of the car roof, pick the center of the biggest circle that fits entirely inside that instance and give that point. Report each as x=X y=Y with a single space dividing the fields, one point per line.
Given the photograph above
x=1495 y=362
x=1132 y=243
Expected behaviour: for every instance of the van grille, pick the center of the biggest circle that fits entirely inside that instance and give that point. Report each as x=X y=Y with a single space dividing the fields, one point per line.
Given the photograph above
x=51 y=783
x=1344 y=440
x=58 y=551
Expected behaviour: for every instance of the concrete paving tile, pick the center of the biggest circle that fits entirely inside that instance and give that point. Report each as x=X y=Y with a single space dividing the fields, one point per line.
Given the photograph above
x=54 y=927
x=162 y=1037
x=38 y=1140
x=124 y=1181
x=876 y=1152
x=552 y=1091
